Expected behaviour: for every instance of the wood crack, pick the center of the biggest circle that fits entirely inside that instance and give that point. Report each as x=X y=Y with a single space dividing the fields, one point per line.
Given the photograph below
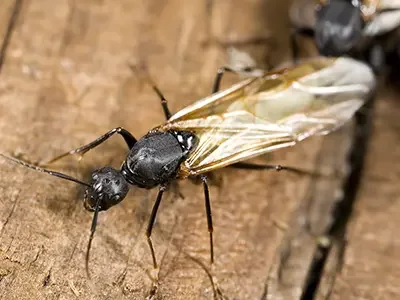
x=342 y=212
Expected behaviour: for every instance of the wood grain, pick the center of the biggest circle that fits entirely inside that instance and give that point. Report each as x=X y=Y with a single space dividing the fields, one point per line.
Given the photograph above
x=66 y=80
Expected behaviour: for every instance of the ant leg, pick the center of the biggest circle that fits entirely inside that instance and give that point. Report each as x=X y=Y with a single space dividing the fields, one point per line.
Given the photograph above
x=376 y=58
x=220 y=73
x=164 y=102
x=151 y=224
x=307 y=32
x=209 y=215
x=294 y=45
x=147 y=78
x=218 y=78
x=92 y=231
x=250 y=166
x=128 y=137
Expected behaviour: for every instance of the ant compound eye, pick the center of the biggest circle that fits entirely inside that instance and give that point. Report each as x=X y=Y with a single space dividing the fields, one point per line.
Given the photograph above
x=89 y=200
x=116 y=199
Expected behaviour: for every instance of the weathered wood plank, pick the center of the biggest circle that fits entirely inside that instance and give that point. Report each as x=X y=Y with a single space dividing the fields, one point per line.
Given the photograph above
x=9 y=12
x=66 y=80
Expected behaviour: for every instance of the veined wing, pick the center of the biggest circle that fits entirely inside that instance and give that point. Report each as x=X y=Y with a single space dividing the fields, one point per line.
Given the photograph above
x=370 y=7
x=386 y=4
x=277 y=110
x=383 y=16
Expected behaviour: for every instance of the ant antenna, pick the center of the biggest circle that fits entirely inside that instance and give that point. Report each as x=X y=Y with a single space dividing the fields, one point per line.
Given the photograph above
x=66 y=177
x=92 y=231
x=39 y=169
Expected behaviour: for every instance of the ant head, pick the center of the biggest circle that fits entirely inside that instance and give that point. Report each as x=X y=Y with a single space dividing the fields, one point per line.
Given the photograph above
x=107 y=186
x=338 y=28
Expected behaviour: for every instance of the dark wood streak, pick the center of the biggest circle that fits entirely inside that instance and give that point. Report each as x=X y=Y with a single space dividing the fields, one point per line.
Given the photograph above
x=343 y=209
x=10 y=29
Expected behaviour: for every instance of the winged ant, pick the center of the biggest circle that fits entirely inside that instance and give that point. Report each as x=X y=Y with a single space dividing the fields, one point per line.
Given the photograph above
x=260 y=114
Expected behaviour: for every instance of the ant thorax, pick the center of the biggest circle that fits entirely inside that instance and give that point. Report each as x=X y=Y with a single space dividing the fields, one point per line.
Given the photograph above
x=156 y=157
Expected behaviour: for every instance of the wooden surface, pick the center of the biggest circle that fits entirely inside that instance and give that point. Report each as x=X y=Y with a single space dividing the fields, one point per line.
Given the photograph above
x=65 y=81
x=371 y=262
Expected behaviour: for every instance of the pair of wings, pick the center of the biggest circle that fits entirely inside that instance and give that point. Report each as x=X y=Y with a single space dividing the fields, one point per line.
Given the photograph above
x=272 y=111
x=381 y=16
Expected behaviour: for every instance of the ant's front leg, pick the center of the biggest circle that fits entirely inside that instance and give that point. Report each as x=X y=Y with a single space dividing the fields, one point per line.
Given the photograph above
x=128 y=138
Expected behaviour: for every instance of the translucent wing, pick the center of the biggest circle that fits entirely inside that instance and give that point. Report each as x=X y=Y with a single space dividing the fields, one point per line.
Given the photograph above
x=243 y=63
x=369 y=8
x=383 y=16
x=273 y=111
x=385 y=4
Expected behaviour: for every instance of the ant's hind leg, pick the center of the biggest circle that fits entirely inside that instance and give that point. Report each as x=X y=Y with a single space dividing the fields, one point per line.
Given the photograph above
x=221 y=71
x=213 y=179
x=217 y=81
x=128 y=138
x=250 y=166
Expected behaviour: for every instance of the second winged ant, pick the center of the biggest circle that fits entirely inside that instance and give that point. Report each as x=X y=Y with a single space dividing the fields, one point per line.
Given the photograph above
x=362 y=29
x=260 y=114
